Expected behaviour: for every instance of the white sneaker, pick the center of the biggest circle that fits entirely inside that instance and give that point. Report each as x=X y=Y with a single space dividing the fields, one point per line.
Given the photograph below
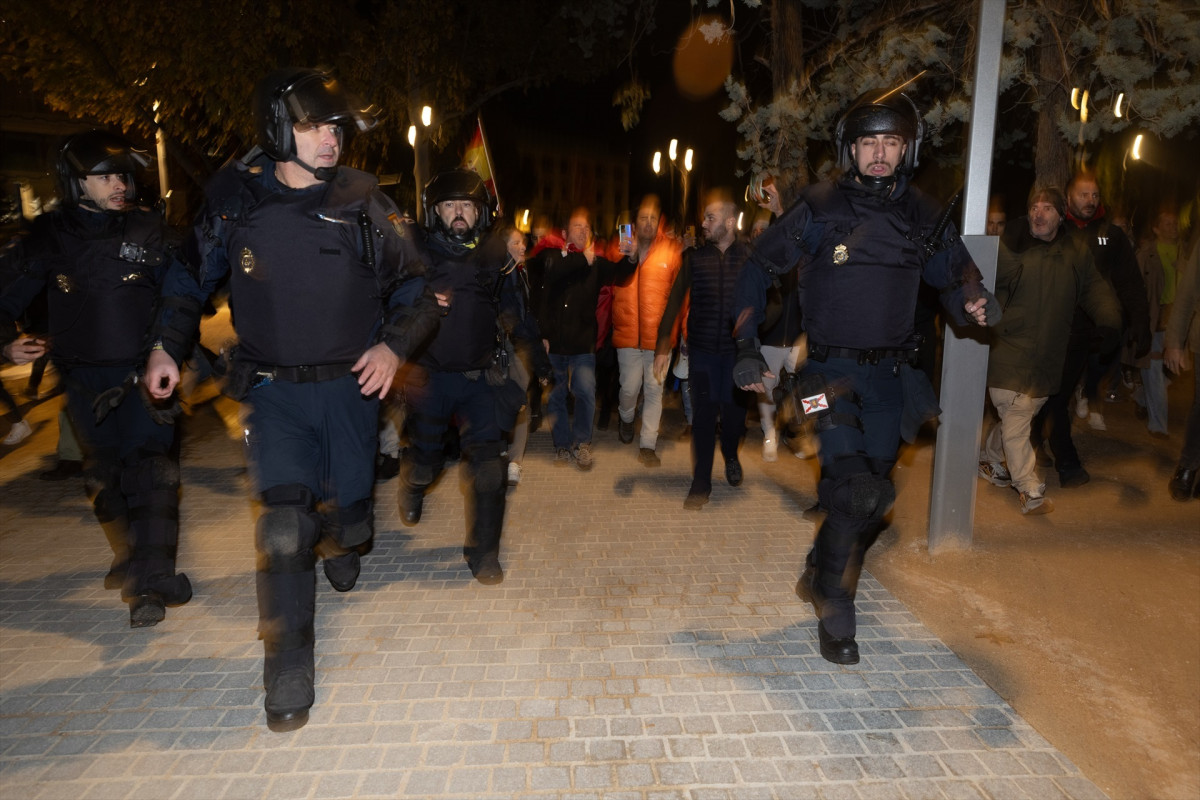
x=19 y=432
x=770 y=450
x=514 y=473
x=1096 y=421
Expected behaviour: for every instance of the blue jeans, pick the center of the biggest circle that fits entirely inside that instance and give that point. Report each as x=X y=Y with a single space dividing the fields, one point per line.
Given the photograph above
x=1154 y=380
x=578 y=374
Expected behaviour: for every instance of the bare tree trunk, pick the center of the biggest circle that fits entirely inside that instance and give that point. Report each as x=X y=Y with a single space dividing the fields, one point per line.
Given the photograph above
x=1052 y=153
x=786 y=68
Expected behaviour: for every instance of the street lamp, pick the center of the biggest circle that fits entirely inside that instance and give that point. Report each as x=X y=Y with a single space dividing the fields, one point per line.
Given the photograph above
x=419 y=142
x=684 y=170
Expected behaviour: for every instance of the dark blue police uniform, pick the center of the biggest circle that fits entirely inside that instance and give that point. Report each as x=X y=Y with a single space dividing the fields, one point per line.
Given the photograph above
x=449 y=384
x=317 y=276
x=862 y=259
x=103 y=271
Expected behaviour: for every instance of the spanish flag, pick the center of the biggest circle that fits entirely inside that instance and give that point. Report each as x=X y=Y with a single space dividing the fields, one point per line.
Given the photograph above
x=477 y=159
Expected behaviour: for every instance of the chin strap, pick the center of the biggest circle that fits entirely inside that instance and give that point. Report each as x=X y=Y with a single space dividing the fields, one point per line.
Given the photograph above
x=320 y=173
x=878 y=184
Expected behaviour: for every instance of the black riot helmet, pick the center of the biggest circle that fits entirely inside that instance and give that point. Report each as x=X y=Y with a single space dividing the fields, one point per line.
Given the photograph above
x=97 y=152
x=874 y=114
x=457 y=184
x=294 y=96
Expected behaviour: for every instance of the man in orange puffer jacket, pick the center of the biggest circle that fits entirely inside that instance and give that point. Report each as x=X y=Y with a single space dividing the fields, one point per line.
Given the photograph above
x=637 y=309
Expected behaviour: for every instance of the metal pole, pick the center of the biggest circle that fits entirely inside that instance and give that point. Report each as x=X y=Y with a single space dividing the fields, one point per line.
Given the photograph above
x=964 y=360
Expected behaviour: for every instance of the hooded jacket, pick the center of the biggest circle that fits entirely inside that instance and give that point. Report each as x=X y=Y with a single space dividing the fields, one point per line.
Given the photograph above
x=1039 y=284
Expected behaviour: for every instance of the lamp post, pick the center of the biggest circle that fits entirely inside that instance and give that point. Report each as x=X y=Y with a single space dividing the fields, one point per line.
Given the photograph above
x=675 y=164
x=419 y=141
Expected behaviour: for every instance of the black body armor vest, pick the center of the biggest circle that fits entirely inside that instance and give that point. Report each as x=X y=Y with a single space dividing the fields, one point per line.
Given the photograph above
x=860 y=286
x=301 y=292
x=102 y=278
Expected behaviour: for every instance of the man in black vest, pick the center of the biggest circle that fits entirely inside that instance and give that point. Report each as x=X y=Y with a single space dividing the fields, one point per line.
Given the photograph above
x=709 y=276
x=325 y=287
x=103 y=261
x=863 y=243
x=1116 y=262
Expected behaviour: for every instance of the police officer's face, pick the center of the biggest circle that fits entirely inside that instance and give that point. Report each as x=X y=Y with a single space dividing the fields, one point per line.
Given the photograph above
x=105 y=192
x=1043 y=220
x=1083 y=199
x=318 y=145
x=878 y=156
x=459 y=216
x=995 y=223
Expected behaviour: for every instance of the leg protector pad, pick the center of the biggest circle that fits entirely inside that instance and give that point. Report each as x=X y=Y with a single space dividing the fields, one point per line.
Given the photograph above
x=860 y=495
x=286 y=533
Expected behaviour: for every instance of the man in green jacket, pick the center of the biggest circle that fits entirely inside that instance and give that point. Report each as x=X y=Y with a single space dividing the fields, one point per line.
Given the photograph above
x=1041 y=276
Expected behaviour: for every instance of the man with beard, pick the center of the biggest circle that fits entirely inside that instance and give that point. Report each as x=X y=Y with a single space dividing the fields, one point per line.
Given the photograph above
x=460 y=375
x=104 y=261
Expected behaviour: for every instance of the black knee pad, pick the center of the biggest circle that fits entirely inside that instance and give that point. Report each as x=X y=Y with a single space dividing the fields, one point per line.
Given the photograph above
x=287 y=530
x=860 y=495
x=148 y=471
x=490 y=475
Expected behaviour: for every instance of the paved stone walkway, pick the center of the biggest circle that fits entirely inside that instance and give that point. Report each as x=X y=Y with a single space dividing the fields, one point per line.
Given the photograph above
x=636 y=650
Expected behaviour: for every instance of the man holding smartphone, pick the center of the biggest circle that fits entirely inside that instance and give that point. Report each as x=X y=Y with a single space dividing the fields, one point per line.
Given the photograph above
x=638 y=305
x=566 y=292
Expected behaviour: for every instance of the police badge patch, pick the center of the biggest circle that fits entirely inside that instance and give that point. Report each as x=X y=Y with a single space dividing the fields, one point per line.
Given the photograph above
x=840 y=255
x=63 y=283
x=246 y=260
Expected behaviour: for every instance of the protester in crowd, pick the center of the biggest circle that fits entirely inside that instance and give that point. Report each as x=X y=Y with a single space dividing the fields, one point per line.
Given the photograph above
x=1158 y=260
x=1043 y=273
x=637 y=309
x=1183 y=335
x=707 y=279
x=566 y=289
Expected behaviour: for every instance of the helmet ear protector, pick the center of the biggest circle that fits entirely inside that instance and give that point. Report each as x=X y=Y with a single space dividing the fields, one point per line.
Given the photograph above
x=876 y=113
x=291 y=97
x=97 y=152
x=457 y=184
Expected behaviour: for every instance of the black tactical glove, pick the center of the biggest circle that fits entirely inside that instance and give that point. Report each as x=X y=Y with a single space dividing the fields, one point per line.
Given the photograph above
x=750 y=365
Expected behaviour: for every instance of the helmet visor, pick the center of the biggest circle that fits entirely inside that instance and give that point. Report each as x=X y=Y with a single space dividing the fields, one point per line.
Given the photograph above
x=314 y=100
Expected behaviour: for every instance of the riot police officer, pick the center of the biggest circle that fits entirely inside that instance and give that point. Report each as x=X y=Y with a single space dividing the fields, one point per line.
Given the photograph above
x=462 y=373
x=325 y=287
x=103 y=261
x=866 y=240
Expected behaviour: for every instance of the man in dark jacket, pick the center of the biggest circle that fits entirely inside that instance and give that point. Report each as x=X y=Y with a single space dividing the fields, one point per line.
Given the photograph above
x=709 y=273
x=567 y=285
x=1115 y=261
x=1042 y=275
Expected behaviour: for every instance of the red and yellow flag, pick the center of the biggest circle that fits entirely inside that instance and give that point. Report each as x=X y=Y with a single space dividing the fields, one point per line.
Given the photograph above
x=477 y=159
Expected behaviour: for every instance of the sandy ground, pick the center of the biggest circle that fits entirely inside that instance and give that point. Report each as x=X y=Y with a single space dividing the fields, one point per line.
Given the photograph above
x=1085 y=620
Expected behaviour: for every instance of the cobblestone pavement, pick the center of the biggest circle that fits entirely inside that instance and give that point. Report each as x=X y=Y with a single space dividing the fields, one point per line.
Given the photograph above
x=635 y=650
